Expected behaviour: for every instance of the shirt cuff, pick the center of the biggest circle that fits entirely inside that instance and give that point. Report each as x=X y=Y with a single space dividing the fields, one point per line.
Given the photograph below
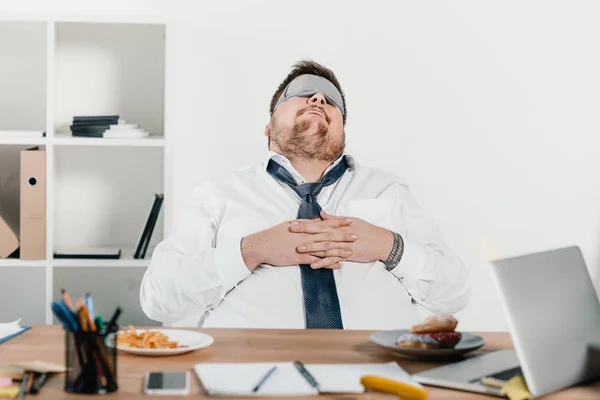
x=231 y=266
x=411 y=261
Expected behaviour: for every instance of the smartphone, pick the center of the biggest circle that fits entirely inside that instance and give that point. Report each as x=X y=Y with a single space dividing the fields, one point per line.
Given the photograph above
x=167 y=383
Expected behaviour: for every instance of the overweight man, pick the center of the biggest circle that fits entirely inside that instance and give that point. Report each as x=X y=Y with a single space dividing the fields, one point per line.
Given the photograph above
x=305 y=238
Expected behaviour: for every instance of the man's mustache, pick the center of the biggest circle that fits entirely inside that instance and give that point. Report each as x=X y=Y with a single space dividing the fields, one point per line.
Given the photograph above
x=304 y=110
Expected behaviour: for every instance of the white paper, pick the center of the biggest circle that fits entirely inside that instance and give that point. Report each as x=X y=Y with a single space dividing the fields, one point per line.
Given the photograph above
x=125 y=134
x=238 y=379
x=124 y=126
x=345 y=378
x=10 y=328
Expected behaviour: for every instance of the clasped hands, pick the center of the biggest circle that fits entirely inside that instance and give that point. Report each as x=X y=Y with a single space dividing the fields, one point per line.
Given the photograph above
x=320 y=243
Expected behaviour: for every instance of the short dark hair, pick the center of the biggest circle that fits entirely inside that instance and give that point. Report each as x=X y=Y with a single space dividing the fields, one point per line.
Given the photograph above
x=308 y=67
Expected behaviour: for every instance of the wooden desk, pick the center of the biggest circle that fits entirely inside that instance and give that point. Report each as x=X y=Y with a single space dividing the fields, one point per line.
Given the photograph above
x=47 y=343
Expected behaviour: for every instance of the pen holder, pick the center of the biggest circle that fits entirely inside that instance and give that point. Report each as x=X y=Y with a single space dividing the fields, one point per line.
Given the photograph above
x=91 y=364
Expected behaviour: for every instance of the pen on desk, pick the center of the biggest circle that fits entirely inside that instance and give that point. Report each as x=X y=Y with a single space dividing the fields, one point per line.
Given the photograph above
x=24 y=383
x=113 y=319
x=30 y=381
x=38 y=383
x=90 y=304
x=67 y=298
x=88 y=324
x=99 y=321
x=82 y=307
x=264 y=379
x=309 y=378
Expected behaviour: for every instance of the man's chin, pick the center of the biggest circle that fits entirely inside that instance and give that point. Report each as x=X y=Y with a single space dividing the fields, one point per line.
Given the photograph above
x=318 y=129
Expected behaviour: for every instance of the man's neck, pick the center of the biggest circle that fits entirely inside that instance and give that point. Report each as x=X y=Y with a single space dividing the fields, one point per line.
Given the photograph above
x=311 y=170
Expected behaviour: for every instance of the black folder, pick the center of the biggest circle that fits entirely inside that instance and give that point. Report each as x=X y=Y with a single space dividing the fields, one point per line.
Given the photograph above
x=142 y=246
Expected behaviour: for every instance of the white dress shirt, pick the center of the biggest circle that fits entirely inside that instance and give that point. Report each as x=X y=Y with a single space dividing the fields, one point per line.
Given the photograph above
x=199 y=270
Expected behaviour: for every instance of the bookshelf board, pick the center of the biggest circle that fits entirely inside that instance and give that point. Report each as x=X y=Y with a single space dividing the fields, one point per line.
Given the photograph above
x=99 y=191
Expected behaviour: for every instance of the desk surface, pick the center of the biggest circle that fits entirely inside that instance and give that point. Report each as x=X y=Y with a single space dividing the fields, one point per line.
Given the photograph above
x=47 y=343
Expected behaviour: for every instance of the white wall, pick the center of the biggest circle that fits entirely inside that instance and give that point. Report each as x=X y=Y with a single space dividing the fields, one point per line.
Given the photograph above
x=489 y=109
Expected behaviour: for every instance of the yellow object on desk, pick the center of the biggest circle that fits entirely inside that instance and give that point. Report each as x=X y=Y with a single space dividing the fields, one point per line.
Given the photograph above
x=516 y=388
x=10 y=392
x=401 y=389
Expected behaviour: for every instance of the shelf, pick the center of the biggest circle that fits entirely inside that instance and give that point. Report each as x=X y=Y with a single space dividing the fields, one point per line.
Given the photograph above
x=16 y=262
x=98 y=191
x=65 y=139
x=126 y=260
x=12 y=138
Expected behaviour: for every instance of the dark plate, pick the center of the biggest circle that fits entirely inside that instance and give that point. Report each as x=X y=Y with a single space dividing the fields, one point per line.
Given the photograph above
x=468 y=343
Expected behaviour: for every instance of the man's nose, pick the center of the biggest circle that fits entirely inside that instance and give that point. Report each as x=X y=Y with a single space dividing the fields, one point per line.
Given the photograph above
x=317 y=99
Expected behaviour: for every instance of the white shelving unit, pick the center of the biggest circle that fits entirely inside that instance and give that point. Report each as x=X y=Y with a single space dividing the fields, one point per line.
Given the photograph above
x=99 y=191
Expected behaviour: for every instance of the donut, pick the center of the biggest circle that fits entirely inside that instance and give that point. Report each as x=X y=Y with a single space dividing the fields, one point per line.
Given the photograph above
x=447 y=340
x=416 y=341
x=436 y=323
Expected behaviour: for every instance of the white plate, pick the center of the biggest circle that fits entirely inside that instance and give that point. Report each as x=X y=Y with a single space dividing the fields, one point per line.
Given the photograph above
x=191 y=339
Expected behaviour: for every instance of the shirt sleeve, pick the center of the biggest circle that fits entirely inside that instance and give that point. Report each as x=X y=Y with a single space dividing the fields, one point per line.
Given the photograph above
x=433 y=275
x=187 y=275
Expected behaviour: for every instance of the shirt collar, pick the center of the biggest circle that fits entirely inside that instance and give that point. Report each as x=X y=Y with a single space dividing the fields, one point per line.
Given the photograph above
x=284 y=162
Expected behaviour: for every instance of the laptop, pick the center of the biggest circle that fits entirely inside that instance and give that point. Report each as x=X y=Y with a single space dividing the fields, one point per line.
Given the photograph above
x=553 y=316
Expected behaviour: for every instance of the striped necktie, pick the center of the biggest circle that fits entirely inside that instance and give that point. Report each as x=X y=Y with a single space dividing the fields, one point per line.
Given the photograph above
x=321 y=302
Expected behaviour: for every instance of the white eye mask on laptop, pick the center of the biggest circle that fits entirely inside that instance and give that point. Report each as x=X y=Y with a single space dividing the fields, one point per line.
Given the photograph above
x=307 y=86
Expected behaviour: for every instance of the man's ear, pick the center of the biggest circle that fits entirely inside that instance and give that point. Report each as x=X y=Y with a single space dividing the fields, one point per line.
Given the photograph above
x=268 y=130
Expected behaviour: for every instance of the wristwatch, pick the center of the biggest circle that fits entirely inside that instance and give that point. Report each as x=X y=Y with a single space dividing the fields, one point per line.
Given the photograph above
x=396 y=254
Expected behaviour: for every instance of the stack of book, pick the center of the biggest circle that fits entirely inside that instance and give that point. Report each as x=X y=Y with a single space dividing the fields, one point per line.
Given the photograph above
x=106 y=126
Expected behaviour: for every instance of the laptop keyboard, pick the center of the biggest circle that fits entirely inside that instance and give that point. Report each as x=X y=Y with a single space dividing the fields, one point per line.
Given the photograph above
x=506 y=375
x=503 y=375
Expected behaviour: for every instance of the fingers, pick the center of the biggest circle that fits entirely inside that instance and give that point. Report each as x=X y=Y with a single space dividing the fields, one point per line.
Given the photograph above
x=335 y=221
x=341 y=253
x=327 y=262
x=326 y=216
x=318 y=225
x=320 y=247
x=308 y=259
x=334 y=236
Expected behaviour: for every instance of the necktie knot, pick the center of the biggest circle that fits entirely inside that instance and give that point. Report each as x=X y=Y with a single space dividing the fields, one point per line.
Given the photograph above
x=314 y=188
x=309 y=189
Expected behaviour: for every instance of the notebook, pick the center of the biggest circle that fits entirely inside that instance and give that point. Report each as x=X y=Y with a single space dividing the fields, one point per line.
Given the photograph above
x=238 y=379
x=101 y=253
x=11 y=329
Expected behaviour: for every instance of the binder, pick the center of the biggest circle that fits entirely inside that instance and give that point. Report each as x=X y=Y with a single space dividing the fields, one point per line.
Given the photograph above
x=8 y=240
x=142 y=246
x=33 y=204
x=14 y=335
x=152 y=225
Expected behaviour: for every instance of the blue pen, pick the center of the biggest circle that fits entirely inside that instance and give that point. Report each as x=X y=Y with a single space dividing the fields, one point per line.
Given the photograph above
x=90 y=305
x=61 y=316
x=64 y=315
x=264 y=379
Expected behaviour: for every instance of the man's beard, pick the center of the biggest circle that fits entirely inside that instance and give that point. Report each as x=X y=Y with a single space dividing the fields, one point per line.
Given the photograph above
x=298 y=143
